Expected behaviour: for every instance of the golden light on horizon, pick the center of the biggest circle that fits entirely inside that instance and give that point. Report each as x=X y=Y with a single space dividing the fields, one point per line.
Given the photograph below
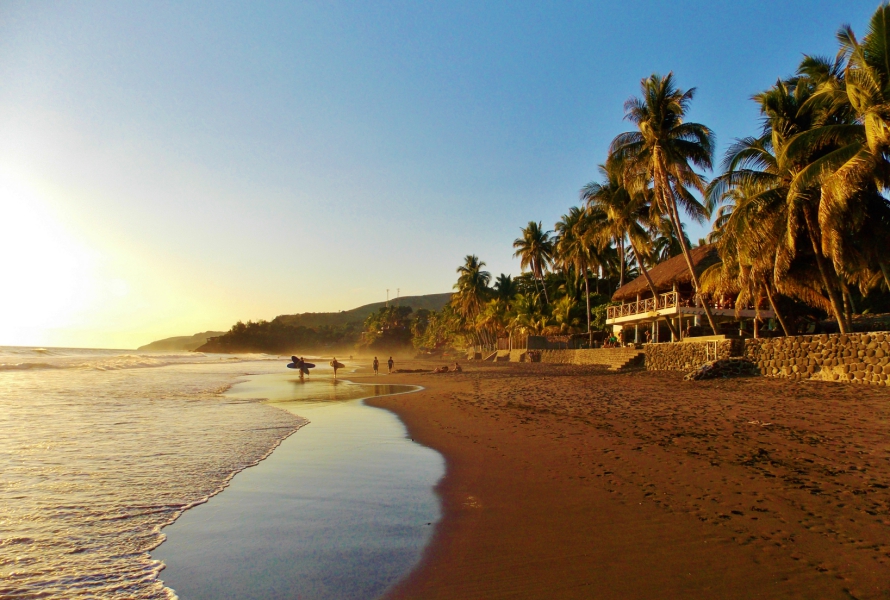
x=48 y=276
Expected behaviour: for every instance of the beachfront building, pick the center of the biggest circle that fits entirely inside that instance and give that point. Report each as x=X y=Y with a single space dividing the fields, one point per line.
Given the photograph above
x=640 y=312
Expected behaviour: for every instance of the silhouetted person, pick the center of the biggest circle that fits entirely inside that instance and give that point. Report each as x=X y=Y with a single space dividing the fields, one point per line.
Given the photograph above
x=390 y=363
x=376 y=365
x=336 y=366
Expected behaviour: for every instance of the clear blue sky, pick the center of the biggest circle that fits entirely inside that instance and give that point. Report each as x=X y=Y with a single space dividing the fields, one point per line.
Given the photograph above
x=172 y=167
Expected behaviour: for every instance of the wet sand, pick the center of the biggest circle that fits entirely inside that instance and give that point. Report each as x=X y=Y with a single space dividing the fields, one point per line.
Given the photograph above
x=566 y=482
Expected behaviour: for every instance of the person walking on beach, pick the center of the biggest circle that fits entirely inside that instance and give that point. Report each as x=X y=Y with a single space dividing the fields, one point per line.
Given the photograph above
x=390 y=363
x=376 y=365
x=336 y=366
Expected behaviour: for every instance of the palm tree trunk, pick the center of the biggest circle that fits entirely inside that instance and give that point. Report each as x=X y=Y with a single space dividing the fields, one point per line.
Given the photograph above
x=779 y=316
x=645 y=271
x=886 y=273
x=669 y=203
x=544 y=286
x=587 y=293
x=621 y=258
x=820 y=262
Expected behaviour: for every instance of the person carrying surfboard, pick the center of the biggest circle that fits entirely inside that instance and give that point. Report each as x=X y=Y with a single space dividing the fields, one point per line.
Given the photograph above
x=336 y=366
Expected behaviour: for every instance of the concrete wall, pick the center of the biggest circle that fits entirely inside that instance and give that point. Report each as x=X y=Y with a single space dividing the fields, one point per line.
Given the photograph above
x=687 y=355
x=857 y=358
x=592 y=356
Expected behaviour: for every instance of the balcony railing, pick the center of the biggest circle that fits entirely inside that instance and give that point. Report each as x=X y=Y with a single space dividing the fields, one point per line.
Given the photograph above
x=660 y=302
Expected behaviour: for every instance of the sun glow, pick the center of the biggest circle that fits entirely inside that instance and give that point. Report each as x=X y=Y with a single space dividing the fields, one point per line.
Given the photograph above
x=47 y=277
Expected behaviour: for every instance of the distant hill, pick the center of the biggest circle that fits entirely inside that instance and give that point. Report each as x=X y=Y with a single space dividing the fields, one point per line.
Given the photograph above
x=358 y=315
x=355 y=318
x=182 y=343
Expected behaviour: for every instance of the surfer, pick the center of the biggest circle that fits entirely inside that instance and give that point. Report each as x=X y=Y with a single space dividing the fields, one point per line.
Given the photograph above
x=336 y=366
x=376 y=365
x=390 y=363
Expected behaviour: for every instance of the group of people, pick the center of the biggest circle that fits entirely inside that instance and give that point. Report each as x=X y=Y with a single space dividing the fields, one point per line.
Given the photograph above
x=390 y=363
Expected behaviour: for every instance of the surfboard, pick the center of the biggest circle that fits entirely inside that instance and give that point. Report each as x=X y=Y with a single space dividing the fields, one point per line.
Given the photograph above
x=337 y=364
x=306 y=366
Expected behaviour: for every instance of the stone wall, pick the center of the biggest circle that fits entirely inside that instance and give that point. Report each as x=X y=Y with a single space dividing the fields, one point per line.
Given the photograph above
x=685 y=356
x=858 y=357
x=593 y=356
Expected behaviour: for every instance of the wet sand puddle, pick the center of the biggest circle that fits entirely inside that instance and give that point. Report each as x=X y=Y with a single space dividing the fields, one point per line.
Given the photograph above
x=342 y=509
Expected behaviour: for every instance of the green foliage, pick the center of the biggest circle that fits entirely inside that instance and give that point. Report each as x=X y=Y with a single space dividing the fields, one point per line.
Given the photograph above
x=277 y=337
x=387 y=329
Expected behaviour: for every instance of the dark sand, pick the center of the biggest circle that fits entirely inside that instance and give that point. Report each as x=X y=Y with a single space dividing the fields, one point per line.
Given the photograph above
x=566 y=482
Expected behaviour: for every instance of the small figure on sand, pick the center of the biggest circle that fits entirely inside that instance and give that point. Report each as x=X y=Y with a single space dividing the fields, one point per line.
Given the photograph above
x=457 y=368
x=299 y=365
x=336 y=366
x=390 y=363
x=376 y=365
x=443 y=369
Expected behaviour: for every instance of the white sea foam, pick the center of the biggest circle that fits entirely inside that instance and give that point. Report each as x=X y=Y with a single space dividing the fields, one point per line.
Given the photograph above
x=98 y=452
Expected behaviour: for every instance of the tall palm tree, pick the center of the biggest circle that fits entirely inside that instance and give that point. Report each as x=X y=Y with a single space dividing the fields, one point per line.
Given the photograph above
x=625 y=200
x=576 y=240
x=472 y=291
x=666 y=149
x=853 y=95
x=766 y=165
x=535 y=251
x=609 y=185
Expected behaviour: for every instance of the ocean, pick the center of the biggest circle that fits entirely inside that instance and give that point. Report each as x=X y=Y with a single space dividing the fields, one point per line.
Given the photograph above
x=101 y=449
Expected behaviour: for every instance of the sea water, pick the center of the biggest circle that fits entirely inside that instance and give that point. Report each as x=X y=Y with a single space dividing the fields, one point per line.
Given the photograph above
x=340 y=511
x=101 y=449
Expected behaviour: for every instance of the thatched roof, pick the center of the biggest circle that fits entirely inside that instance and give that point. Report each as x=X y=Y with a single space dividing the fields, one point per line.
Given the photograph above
x=665 y=275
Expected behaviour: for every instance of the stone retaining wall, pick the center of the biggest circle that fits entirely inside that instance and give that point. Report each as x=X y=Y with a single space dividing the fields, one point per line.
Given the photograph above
x=686 y=356
x=857 y=358
x=591 y=356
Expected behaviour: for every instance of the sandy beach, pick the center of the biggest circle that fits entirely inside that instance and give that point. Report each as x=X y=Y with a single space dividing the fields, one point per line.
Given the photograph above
x=570 y=482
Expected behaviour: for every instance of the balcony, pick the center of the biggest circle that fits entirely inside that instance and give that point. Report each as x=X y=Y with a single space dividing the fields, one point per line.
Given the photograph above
x=673 y=304
x=648 y=305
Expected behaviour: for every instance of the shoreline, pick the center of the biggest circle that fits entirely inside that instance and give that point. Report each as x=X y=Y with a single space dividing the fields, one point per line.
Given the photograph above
x=343 y=509
x=575 y=482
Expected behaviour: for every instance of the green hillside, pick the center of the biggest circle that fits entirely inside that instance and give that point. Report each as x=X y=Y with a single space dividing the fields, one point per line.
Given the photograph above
x=182 y=343
x=358 y=315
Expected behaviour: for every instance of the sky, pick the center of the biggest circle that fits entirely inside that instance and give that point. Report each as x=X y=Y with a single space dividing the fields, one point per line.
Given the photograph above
x=173 y=167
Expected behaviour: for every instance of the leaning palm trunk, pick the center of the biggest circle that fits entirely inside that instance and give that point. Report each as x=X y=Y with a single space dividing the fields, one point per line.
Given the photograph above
x=886 y=273
x=826 y=282
x=543 y=284
x=645 y=272
x=587 y=293
x=779 y=316
x=623 y=261
x=671 y=205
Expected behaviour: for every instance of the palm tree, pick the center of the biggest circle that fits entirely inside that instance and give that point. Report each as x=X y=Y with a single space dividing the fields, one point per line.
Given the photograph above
x=505 y=288
x=766 y=166
x=625 y=202
x=472 y=291
x=666 y=148
x=577 y=238
x=610 y=185
x=852 y=95
x=535 y=250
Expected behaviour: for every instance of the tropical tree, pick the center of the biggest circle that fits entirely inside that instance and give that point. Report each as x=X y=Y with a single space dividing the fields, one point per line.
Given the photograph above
x=625 y=200
x=505 y=288
x=472 y=292
x=578 y=235
x=765 y=166
x=665 y=148
x=535 y=251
